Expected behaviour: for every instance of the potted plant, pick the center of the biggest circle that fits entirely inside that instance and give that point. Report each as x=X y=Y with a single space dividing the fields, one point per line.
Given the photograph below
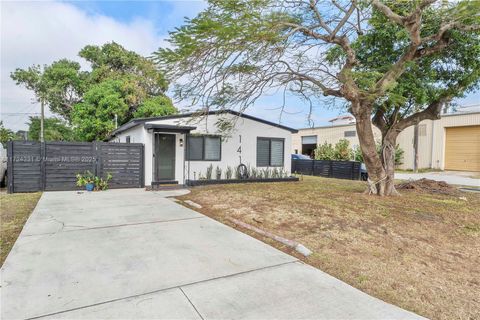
x=87 y=180
x=92 y=182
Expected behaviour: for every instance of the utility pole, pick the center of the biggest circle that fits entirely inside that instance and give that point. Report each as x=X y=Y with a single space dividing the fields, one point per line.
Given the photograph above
x=42 y=116
x=116 y=121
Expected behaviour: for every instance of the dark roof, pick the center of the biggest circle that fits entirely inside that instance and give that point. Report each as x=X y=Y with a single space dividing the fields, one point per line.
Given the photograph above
x=135 y=122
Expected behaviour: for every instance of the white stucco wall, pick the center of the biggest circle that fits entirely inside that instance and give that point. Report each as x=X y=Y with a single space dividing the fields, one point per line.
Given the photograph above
x=248 y=129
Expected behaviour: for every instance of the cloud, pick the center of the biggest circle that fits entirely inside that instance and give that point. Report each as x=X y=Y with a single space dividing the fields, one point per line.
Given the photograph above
x=42 y=32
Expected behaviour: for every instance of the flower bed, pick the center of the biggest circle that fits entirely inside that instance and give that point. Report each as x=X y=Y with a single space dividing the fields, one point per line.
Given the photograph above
x=204 y=182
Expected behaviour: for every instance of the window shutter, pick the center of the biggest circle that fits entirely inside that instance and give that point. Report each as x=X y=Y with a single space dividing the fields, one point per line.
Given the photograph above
x=195 y=148
x=212 y=148
x=276 y=153
x=263 y=152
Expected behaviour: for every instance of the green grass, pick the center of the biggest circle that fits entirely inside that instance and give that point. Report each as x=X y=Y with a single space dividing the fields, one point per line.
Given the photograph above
x=417 y=251
x=15 y=210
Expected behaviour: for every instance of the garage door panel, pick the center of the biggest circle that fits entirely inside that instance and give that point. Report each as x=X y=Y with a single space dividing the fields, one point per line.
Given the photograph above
x=462 y=148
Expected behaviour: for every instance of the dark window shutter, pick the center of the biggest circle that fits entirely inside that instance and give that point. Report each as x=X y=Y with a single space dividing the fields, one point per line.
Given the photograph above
x=212 y=148
x=276 y=153
x=195 y=148
x=263 y=152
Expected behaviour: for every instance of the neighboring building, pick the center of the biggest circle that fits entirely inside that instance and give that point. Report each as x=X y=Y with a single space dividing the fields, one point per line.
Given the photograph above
x=340 y=120
x=182 y=147
x=450 y=143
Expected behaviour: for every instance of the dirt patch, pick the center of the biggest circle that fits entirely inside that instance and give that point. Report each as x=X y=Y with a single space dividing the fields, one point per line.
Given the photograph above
x=429 y=186
x=420 y=251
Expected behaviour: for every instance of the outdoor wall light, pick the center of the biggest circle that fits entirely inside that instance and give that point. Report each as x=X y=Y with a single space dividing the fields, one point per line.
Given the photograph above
x=181 y=142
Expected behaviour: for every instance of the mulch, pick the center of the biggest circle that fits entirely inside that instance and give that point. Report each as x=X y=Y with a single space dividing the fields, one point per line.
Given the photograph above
x=427 y=185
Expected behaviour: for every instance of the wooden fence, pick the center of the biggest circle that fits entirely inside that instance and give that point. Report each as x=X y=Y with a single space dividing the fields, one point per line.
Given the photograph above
x=35 y=166
x=328 y=168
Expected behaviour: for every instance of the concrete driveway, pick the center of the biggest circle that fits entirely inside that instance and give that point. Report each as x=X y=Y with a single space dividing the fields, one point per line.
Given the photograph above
x=451 y=177
x=131 y=254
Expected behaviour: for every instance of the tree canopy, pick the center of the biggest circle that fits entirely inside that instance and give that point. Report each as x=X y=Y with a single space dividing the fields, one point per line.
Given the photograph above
x=54 y=130
x=396 y=62
x=5 y=135
x=120 y=85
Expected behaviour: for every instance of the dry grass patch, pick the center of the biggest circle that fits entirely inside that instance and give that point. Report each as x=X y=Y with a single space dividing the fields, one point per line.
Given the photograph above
x=420 y=251
x=14 y=212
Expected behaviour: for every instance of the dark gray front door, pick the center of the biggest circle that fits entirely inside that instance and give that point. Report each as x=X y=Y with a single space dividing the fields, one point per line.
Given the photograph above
x=164 y=157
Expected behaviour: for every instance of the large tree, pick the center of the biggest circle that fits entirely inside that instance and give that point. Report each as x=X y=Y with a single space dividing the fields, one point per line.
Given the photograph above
x=54 y=129
x=120 y=85
x=366 y=53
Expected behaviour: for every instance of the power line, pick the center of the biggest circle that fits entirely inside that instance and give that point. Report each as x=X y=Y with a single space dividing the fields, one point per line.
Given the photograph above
x=18 y=113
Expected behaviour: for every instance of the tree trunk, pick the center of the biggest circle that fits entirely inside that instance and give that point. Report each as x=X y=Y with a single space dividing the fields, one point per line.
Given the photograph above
x=389 y=141
x=377 y=177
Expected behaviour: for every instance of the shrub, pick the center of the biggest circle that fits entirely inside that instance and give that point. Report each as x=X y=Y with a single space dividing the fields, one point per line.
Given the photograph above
x=99 y=182
x=208 y=175
x=266 y=173
x=254 y=173
x=358 y=156
x=342 y=150
x=218 y=173
x=229 y=173
x=324 y=151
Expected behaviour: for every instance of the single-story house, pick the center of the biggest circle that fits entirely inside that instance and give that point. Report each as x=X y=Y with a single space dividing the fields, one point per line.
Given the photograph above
x=449 y=143
x=182 y=147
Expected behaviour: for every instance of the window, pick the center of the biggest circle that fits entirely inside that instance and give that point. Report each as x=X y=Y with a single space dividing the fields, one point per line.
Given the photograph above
x=204 y=148
x=351 y=133
x=212 y=148
x=309 y=140
x=270 y=152
x=127 y=139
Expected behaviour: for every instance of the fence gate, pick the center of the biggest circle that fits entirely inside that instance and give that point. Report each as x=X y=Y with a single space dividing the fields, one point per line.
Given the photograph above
x=35 y=166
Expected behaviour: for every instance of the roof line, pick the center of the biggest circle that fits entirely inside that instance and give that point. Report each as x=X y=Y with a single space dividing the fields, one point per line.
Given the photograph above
x=134 y=122
x=352 y=124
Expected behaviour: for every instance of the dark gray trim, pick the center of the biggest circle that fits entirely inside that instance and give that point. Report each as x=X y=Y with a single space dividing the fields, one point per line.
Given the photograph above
x=155 y=164
x=134 y=122
x=168 y=128
x=270 y=139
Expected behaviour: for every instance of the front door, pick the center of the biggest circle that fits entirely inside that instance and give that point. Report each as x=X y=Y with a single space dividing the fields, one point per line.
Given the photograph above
x=164 y=157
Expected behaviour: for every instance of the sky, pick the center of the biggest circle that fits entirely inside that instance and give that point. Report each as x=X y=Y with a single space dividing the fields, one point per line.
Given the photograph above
x=41 y=32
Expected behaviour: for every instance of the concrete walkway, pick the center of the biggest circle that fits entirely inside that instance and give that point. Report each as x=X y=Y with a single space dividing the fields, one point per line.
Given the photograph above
x=450 y=177
x=131 y=254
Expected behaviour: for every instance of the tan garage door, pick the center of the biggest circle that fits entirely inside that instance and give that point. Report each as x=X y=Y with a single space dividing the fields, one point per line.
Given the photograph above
x=462 y=148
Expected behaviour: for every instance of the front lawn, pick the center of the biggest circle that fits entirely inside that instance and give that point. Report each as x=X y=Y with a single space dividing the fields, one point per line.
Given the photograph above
x=420 y=251
x=14 y=212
